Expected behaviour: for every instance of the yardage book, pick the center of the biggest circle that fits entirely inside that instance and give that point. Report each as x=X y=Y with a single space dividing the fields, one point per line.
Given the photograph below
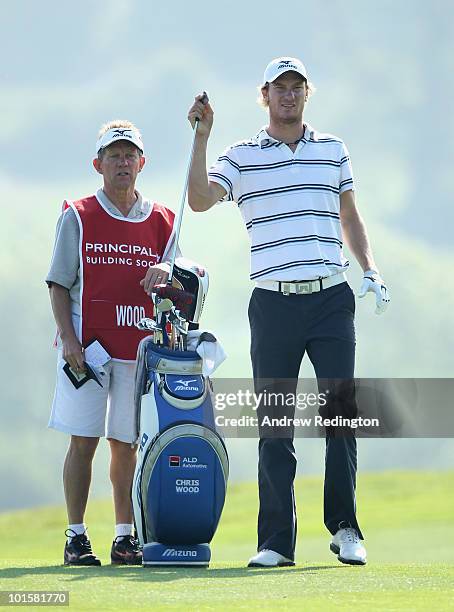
x=80 y=378
x=95 y=357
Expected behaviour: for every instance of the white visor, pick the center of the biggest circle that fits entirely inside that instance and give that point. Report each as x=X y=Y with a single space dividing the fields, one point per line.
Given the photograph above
x=115 y=134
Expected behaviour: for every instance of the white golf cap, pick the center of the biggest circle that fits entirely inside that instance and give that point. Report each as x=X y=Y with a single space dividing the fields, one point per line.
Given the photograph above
x=115 y=134
x=280 y=65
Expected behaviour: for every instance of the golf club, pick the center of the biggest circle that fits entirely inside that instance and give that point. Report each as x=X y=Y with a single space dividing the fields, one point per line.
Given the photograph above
x=179 y=219
x=147 y=324
x=164 y=305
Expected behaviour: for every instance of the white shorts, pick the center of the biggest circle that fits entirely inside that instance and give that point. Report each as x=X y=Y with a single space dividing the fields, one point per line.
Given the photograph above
x=92 y=411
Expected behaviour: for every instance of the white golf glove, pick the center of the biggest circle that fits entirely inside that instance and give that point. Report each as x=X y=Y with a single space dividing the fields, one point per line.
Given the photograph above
x=373 y=282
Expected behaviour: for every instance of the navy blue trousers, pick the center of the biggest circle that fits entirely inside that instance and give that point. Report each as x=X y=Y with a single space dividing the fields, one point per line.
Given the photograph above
x=283 y=329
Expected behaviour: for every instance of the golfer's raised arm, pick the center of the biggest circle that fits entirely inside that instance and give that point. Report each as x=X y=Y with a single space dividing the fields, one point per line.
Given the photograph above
x=202 y=193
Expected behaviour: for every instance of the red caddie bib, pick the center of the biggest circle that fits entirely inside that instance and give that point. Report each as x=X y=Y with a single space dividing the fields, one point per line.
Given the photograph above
x=115 y=254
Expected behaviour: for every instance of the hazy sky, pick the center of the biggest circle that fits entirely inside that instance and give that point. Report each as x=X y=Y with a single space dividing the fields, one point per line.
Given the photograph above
x=384 y=79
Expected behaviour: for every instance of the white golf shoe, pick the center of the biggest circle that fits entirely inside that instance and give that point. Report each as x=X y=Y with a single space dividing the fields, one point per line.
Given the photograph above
x=348 y=548
x=269 y=558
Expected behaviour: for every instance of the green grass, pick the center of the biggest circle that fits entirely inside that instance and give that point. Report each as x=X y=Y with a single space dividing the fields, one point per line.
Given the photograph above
x=407 y=518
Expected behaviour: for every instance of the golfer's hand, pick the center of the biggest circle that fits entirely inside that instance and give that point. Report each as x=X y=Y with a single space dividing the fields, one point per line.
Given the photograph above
x=156 y=275
x=202 y=112
x=373 y=282
x=73 y=353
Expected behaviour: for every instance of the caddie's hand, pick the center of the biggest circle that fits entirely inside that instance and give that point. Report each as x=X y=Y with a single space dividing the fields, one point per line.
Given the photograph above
x=156 y=275
x=73 y=353
x=202 y=112
x=373 y=282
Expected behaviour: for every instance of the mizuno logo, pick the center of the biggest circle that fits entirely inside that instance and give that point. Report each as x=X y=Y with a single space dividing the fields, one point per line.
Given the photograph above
x=122 y=133
x=186 y=383
x=171 y=552
x=287 y=64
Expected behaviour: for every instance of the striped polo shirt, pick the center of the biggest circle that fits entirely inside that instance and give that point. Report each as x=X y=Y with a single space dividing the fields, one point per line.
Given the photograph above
x=289 y=202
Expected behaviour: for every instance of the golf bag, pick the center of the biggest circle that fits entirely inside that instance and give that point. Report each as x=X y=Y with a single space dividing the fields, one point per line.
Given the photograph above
x=181 y=475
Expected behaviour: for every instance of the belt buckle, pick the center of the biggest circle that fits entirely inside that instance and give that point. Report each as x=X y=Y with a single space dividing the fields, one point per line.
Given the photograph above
x=300 y=288
x=285 y=288
x=303 y=288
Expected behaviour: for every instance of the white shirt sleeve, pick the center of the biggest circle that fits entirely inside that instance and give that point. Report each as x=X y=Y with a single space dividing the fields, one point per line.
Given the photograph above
x=64 y=266
x=226 y=172
x=346 y=172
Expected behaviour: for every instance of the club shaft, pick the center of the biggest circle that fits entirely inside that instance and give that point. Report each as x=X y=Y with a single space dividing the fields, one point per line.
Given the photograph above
x=177 y=223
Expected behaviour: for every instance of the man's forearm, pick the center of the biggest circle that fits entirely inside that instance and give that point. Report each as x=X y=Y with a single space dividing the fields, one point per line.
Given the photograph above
x=61 y=307
x=198 y=187
x=355 y=235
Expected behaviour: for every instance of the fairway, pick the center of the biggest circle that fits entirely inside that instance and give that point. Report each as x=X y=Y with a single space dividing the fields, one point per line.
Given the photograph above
x=407 y=518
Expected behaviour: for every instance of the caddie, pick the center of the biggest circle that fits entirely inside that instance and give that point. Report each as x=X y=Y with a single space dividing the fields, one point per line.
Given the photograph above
x=295 y=190
x=110 y=249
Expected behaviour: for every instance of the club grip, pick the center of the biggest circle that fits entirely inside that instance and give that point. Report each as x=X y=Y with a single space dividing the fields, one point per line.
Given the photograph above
x=204 y=100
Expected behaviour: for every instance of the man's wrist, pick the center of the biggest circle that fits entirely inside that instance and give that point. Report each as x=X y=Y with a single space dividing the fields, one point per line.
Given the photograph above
x=371 y=272
x=202 y=138
x=68 y=335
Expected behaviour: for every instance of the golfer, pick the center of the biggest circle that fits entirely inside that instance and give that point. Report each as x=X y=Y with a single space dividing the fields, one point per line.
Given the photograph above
x=294 y=188
x=108 y=253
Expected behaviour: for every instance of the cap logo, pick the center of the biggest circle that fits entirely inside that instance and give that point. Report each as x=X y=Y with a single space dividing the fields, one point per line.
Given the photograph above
x=121 y=134
x=287 y=64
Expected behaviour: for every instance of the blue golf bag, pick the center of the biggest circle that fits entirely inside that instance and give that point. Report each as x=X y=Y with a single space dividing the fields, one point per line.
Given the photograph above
x=182 y=468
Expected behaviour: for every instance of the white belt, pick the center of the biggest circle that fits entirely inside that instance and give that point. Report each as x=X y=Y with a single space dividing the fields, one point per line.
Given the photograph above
x=302 y=287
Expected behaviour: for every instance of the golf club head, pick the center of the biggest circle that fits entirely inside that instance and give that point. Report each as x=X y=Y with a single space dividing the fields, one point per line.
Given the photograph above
x=164 y=305
x=181 y=299
x=147 y=324
x=180 y=328
x=174 y=316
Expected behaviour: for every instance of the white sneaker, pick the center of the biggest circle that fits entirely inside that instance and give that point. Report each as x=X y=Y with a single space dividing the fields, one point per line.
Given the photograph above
x=269 y=558
x=348 y=548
